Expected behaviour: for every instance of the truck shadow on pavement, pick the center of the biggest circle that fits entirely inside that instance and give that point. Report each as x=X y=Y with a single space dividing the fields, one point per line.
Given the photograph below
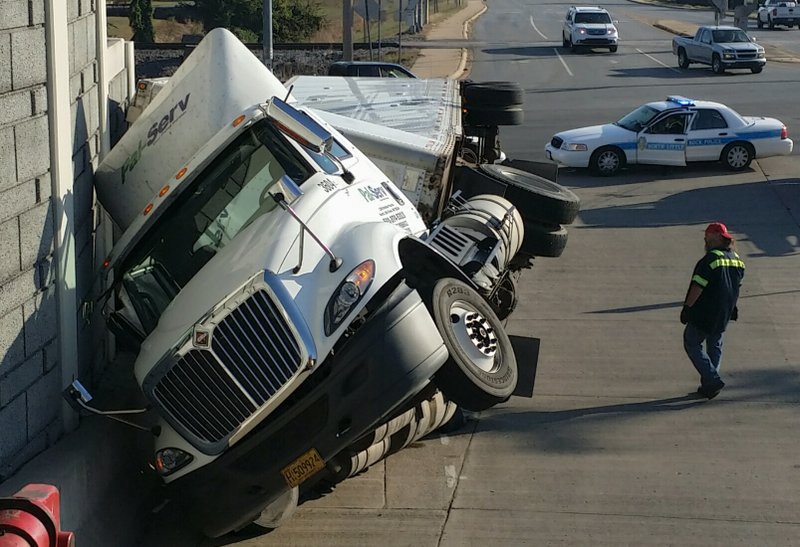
x=637 y=174
x=737 y=203
x=663 y=72
x=531 y=51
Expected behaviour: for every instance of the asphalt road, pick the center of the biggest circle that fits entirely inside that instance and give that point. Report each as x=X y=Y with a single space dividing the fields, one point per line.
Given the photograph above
x=566 y=90
x=610 y=450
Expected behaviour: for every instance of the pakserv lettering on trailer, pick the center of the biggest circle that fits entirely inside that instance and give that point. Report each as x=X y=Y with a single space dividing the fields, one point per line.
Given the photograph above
x=156 y=130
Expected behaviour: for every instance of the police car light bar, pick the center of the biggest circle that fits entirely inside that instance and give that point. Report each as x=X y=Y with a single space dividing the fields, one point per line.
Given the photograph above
x=682 y=101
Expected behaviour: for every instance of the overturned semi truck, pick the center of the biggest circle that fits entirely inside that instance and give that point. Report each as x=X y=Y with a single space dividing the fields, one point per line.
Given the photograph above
x=292 y=305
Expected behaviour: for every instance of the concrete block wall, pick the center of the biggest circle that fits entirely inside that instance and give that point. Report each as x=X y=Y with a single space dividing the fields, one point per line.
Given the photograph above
x=30 y=368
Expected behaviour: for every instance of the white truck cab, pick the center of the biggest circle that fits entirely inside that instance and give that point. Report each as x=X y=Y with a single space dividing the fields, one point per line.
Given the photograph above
x=285 y=296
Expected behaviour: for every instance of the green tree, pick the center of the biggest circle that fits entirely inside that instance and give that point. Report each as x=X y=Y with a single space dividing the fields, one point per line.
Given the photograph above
x=292 y=20
x=141 y=21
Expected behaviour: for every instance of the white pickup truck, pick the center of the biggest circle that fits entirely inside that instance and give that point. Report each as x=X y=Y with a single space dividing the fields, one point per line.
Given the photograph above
x=722 y=47
x=772 y=13
x=290 y=302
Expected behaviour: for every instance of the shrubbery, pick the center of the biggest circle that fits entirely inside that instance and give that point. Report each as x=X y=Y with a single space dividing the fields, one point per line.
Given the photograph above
x=292 y=20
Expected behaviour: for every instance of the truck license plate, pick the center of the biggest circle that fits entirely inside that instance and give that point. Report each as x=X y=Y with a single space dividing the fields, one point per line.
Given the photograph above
x=302 y=468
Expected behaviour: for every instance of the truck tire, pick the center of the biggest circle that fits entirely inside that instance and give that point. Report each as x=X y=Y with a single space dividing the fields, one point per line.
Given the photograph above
x=481 y=370
x=683 y=60
x=737 y=155
x=493 y=94
x=535 y=197
x=716 y=65
x=612 y=49
x=757 y=69
x=759 y=22
x=545 y=240
x=770 y=23
x=491 y=116
x=606 y=161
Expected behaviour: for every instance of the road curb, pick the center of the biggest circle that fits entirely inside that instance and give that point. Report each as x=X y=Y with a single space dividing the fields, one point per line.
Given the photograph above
x=462 y=64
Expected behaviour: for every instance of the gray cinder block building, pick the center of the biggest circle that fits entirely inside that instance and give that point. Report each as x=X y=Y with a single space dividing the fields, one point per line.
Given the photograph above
x=63 y=91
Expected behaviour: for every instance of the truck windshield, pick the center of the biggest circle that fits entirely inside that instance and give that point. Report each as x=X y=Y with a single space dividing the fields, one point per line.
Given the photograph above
x=224 y=199
x=637 y=119
x=593 y=18
x=730 y=36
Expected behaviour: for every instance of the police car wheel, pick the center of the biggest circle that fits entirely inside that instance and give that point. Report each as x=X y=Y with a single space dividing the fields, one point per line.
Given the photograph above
x=738 y=155
x=481 y=370
x=606 y=161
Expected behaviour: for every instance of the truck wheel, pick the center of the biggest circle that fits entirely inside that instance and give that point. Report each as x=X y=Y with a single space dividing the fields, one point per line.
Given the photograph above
x=606 y=161
x=756 y=69
x=544 y=240
x=512 y=115
x=759 y=22
x=683 y=60
x=737 y=155
x=535 y=197
x=612 y=49
x=493 y=94
x=716 y=65
x=770 y=23
x=481 y=370
x=564 y=42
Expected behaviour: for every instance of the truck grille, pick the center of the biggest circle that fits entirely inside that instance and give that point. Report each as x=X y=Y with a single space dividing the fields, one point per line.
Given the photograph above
x=209 y=394
x=596 y=31
x=557 y=142
x=746 y=55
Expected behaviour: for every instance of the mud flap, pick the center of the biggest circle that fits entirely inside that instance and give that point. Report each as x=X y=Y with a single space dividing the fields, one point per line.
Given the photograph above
x=526 y=350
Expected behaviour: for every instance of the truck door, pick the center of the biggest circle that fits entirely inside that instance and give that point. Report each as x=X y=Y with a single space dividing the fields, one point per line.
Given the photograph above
x=664 y=141
x=702 y=52
x=708 y=134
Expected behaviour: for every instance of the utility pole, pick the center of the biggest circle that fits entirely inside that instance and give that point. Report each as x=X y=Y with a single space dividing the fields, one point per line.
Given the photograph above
x=347 y=30
x=266 y=41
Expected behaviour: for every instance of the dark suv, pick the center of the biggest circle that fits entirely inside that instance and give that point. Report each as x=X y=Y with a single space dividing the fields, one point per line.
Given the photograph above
x=369 y=69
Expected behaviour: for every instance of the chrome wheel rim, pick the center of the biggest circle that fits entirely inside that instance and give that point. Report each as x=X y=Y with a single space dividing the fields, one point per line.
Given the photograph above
x=474 y=335
x=608 y=162
x=738 y=156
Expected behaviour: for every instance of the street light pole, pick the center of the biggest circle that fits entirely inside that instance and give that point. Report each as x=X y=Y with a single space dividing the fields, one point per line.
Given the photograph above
x=347 y=30
x=266 y=41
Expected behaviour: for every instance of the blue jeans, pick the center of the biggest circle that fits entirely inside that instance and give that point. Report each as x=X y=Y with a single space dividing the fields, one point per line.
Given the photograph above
x=707 y=360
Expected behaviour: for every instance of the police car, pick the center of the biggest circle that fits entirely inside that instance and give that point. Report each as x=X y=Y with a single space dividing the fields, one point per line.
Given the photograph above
x=671 y=132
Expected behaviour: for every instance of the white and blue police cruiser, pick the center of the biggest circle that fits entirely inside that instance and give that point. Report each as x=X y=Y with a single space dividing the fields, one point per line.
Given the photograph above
x=672 y=132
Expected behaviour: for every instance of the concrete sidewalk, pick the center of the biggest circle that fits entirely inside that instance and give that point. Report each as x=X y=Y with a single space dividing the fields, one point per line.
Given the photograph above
x=448 y=63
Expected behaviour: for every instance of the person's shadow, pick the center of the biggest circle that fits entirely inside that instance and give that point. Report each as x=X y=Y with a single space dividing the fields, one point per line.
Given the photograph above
x=659 y=405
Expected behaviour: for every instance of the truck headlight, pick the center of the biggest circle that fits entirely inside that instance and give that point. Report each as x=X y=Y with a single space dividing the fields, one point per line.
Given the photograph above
x=581 y=31
x=761 y=54
x=728 y=55
x=575 y=147
x=169 y=460
x=348 y=294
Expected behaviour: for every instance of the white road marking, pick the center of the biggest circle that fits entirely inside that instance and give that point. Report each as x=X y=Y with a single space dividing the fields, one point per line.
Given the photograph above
x=563 y=62
x=536 y=29
x=450 y=477
x=657 y=61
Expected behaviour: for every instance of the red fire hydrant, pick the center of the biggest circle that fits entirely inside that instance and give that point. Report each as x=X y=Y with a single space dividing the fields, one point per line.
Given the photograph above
x=32 y=518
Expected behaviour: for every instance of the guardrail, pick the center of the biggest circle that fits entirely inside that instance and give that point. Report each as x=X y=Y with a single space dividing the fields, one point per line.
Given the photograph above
x=316 y=46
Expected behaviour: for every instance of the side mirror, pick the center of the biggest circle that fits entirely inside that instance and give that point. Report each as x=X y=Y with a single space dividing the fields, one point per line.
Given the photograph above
x=297 y=126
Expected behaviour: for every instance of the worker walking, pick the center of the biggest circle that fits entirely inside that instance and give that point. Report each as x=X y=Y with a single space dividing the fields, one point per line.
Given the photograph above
x=710 y=303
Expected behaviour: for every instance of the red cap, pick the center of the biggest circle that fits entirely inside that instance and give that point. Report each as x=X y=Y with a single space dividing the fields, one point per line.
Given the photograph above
x=718 y=228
